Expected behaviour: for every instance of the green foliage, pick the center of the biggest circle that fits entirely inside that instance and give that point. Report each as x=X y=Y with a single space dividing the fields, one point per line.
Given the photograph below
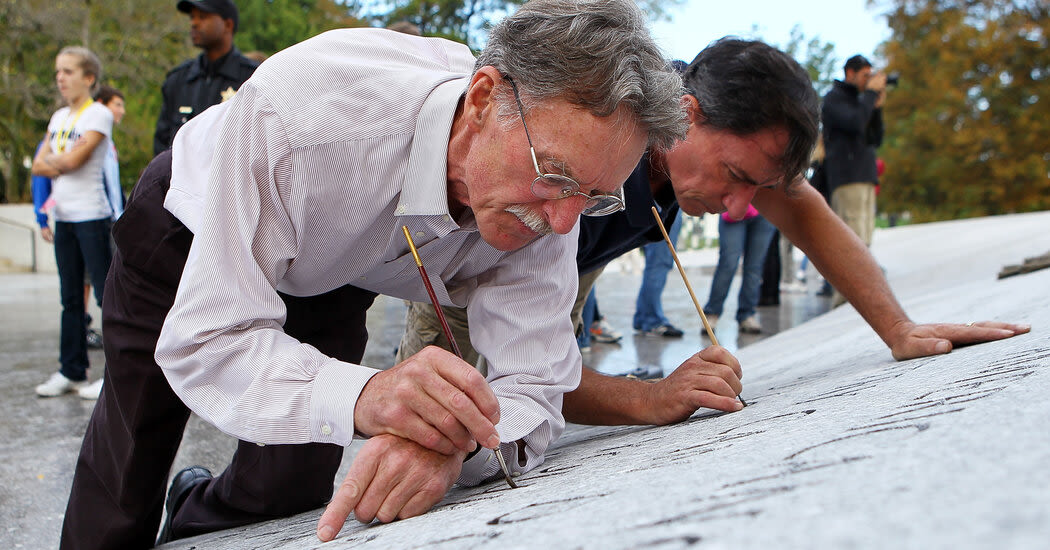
x=139 y=41
x=968 y=129
x=269 y=26
x=816 y=56
x=467 y=21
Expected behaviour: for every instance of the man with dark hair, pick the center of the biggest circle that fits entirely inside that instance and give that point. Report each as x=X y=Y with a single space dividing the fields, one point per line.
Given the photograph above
x=852 y=115
x=249 y=254
x=752 y=116
x=210 y=78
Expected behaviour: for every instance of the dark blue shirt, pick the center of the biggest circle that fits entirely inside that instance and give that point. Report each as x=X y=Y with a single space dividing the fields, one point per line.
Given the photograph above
x=605 y=238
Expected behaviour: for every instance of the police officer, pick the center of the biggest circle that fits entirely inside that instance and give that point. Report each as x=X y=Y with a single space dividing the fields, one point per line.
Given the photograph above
x=210 y=78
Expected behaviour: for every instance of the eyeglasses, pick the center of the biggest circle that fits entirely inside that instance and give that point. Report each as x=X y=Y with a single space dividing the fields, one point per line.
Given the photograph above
x=557 y=186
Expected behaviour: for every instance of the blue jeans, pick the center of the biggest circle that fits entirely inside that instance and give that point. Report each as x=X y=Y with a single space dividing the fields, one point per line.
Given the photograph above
x=750 y=238
x=79 y=247
x=590 y=311
x=649 y=309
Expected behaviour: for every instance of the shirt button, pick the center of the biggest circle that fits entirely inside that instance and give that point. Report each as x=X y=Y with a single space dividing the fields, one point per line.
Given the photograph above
x=445 y=217
x=326 y=429
x=400 y=209
x=419 y=234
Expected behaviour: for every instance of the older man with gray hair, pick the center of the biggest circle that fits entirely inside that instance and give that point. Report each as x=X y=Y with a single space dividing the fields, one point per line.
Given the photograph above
x=249 y=254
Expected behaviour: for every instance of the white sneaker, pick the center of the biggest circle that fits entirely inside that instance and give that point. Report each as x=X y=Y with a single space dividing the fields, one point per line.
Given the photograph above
x=91 y=391
x=58 y=385
x=750 y=325
x=793 y=287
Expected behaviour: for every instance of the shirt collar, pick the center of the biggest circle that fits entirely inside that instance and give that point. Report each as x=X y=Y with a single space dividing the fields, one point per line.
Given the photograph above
x=425 y=189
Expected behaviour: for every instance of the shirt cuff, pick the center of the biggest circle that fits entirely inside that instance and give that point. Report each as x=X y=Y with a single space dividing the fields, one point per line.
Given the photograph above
x=484 y=466
x=335 y=392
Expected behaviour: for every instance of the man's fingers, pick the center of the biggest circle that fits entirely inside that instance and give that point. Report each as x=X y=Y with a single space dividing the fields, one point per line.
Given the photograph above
x=719 y=402
x=470 y=382
x=922 y=347
x=720 y=355
x=457 y=414
x=347 y=496
x=435 y=426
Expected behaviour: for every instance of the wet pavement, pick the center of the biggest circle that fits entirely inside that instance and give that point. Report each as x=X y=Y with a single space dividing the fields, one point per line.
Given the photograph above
x=40 y=438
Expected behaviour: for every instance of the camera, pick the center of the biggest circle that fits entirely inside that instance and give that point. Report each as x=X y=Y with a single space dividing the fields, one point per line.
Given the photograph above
x=892 y=79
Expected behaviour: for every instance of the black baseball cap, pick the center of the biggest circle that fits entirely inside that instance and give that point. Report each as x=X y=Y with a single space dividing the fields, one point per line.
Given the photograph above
x=225 y=8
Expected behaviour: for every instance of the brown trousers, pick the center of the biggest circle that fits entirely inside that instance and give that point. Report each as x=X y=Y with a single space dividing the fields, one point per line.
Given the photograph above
x=121 y=475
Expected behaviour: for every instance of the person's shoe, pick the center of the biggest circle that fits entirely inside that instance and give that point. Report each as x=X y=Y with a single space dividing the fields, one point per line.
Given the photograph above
x=792 y=287
x=603 y=333
x=585 y=349
x=91 y=391
x=825 y=290
x=712 y=319
x=94 y=339
x=186 y=479
x=750 y=325
x=666 y=330
x=645 y=372
x=57 y=385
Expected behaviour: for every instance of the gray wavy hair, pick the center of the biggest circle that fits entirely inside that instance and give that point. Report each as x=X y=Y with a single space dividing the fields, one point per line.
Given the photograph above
x=596 y=54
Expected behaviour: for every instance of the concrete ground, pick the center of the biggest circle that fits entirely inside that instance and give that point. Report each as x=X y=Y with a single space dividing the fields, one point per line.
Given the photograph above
x=39 y=438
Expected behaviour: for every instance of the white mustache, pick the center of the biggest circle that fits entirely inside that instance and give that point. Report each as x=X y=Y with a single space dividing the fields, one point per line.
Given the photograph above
x=531 y=219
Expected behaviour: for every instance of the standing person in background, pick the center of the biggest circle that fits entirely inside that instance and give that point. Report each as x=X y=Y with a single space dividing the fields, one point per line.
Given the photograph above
x=112 y=99
x=750 y=237
x=649 y=316
x=73 y=156
x=853 y=128
x=210 y=78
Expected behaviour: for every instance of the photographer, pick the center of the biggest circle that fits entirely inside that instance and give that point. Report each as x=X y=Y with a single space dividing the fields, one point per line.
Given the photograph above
x=852 y=115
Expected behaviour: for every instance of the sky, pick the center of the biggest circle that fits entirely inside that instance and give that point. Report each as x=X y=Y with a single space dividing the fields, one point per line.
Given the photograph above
x=848 y=24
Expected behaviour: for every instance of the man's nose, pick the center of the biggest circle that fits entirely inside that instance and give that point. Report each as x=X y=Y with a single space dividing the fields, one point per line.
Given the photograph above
x=563 y=214
x=737 y=200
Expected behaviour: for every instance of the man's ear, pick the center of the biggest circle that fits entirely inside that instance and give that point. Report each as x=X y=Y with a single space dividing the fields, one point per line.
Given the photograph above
x=692 y=109
x=480 y=102
x=228 y=23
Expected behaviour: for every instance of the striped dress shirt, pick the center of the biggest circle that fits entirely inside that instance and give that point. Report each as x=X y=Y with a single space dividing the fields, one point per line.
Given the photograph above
x=301 y=184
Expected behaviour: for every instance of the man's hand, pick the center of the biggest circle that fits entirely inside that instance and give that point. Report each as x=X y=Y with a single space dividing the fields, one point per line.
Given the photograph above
x=47 y=234
x=708 y=379
x=390 y=478
x=911 y=340
x=434 y=399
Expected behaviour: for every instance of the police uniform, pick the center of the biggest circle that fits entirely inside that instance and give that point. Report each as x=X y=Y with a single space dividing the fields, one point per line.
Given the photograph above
x=194 y=86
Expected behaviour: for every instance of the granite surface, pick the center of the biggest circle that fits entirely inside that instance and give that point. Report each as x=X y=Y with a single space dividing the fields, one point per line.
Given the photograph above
x=841 y=446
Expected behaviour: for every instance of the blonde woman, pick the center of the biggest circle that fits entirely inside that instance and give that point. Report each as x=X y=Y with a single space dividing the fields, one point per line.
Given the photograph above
x=78 y=138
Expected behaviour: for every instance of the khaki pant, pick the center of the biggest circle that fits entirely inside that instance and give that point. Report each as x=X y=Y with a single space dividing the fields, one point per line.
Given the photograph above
x=855 y=204
x=423 y=328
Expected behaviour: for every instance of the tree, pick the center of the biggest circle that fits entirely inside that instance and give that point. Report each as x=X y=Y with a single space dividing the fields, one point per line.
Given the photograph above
x=272 y=25
x=818 y=58
x=138 y=42
x=467 y=21
x=968 y=128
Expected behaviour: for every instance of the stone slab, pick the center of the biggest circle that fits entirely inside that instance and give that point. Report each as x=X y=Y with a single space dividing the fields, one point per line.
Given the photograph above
x=840 y=447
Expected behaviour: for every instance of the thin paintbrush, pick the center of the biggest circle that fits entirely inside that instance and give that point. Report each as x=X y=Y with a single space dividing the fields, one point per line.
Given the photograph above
x=448 y=333
x=689 y=287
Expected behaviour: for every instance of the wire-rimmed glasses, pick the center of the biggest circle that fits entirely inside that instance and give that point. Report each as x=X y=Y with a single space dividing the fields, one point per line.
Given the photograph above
x=558 y=186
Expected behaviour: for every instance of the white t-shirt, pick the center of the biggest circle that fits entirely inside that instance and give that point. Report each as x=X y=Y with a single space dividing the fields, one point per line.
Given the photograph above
x=80 y=195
